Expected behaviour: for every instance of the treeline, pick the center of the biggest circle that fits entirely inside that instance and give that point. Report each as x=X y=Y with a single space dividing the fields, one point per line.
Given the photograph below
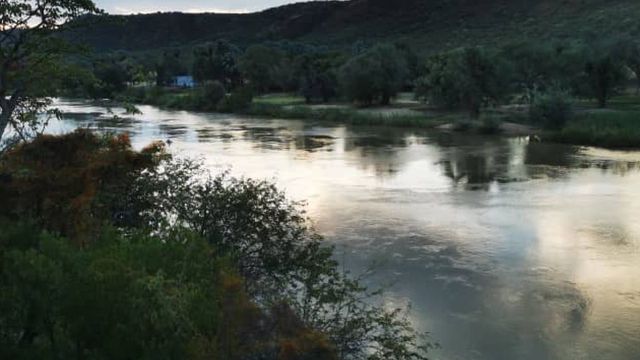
x=470 y=79
x=111 y=253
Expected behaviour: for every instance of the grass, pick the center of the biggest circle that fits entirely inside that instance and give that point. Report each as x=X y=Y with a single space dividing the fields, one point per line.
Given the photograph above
x=348 y=115
x=616 y=127
x=281 y=99
x=607 y=128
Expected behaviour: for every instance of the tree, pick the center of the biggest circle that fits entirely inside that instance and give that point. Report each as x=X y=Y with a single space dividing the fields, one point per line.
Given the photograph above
x=316 y=77
x=146 y=278
x=260 y=65
x=31 y=58
x=604 y=73
x=140 y=297
x=112 y=77
x=217 y=61
x=169 y=66
x=629 y=51
x=374 y=76
x=470 y=78
x=72 y=184
x=280 y=256
x=537 y=67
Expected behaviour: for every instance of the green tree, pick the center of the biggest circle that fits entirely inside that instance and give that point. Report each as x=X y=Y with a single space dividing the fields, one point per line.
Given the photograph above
x=604 y=73
x=279 y=255
x=260 y=65
x=31 y=59
x=629 y=51
x=139 y=297
x=170 y=65
x=316 y=76
x=153 y=236
x=470 y=78
x=374 y=76
x=217 y=61
x=536 y=67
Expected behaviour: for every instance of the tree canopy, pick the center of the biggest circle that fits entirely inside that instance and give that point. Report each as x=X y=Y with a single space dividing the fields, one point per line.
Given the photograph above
x=31 y=58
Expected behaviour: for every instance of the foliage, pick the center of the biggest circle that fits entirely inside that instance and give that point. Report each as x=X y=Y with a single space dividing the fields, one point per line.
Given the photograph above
x=551 y=109
x=169 y=66
x=137 y=297
x=210 y=95
x=281 y=257
x=471 y=78
x=261 y=66
x=237 y=101
x=431 y=26
x=537 y=67
x=374 y=76
x=317 y=77
x=629 y=51
x=606 y=128
x=217 y=61
x=604 y=73
x=31 y=63
x=133 y=288
x=70 y=184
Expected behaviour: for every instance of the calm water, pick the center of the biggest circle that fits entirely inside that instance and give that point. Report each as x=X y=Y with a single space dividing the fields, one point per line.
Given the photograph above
x=505 y=249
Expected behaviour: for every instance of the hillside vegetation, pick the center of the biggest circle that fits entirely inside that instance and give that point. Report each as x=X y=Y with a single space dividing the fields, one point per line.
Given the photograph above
x=435 y=24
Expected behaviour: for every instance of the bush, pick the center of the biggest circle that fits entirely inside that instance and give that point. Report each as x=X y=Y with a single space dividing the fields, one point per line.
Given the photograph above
x=210 y=95
x=137 y=297
x=552 y=109
x=238 y=100
x=150 y=286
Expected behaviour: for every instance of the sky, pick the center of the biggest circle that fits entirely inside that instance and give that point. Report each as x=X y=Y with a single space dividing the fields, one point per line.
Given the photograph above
x=150 y=6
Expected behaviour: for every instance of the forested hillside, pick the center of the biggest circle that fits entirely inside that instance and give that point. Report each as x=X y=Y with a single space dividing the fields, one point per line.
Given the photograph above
x=435 y=24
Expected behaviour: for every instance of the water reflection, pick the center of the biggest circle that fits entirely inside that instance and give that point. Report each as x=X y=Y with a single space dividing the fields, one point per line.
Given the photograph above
x=506 y=249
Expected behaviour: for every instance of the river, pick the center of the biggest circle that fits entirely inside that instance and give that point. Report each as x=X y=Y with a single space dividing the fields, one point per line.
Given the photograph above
x=504 y=249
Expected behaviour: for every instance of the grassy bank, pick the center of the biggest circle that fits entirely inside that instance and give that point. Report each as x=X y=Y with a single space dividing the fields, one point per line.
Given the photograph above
x=604 y=128
x=616 y=127
x=346 y=115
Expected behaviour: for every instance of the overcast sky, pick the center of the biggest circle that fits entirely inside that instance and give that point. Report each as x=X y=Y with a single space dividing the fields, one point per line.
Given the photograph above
x=146 y=6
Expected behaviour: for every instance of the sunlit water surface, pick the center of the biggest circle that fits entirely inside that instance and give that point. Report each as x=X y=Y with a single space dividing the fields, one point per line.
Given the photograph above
x=505 y=249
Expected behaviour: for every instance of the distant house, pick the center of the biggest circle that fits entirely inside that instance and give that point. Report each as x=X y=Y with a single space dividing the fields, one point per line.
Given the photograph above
x=184 y=81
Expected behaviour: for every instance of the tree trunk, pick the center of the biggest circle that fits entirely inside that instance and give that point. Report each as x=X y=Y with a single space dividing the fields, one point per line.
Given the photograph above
x=7 y=107
x=4 y=121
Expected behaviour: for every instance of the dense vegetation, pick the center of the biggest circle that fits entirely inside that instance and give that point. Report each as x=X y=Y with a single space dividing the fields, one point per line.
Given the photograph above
x=557 y=83
x=433 y=26
x=106 y=252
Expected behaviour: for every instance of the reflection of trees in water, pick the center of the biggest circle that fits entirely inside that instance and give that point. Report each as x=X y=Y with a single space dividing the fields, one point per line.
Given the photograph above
x=283 y=138
x=378 y=152
x=551 y=155
x=98 y=120
x=475 y=162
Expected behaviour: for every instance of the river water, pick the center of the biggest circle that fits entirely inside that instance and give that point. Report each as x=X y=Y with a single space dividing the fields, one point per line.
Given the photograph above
x=504 y=249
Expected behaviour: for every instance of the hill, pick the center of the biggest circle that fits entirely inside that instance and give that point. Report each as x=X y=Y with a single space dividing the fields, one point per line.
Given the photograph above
x=431 y=24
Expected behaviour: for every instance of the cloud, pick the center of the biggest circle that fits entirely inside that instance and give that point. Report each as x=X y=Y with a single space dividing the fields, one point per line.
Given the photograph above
x=189 y=6
x=142 y=10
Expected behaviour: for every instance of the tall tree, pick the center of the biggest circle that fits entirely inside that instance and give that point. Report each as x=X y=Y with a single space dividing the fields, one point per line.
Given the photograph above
x=604 y=72
x=31 y=58
x=374 y=76
x=470 y=78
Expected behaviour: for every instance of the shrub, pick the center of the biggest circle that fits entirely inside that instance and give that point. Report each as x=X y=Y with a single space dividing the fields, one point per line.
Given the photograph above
x=552 y=109
x=239 y=100
x=210 y=95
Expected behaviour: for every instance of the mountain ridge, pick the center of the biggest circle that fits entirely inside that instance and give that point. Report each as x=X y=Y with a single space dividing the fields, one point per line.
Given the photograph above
x=430 y=23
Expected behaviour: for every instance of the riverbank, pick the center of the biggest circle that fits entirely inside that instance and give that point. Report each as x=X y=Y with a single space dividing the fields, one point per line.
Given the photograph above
x=615 y=127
